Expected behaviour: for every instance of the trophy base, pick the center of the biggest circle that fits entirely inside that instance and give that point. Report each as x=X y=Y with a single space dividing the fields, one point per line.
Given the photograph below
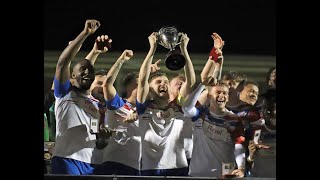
x=175 y=62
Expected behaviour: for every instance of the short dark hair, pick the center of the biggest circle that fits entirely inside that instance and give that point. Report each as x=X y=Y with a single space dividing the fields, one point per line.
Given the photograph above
x=221 y=83
x=129 y=78
x=101 y=72
x=244 y=83
x=251 y=82
x=155 y=75
x=235 y=76
x=179 y=76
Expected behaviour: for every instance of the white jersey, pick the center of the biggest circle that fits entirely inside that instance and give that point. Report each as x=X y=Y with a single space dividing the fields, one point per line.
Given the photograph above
x=187 y=130
x=125 y=145
x=74 y=112
x=213 y=144
x=162 y=137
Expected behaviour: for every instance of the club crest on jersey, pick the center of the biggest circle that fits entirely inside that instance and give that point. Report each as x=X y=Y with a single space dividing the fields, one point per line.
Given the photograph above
x=163 y=116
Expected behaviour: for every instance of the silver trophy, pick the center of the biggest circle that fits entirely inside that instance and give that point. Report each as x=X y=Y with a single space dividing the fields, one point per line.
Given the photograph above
x=169 y=38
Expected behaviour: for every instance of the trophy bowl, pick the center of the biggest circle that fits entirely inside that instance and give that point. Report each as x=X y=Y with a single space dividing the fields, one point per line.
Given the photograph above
x=169 y=38
x=175 y=60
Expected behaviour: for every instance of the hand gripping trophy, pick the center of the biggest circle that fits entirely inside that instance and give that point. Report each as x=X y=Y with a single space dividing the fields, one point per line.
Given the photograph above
x=169 y=38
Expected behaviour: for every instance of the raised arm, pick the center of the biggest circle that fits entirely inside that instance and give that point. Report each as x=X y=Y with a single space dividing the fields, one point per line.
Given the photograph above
x=210 y=69
x=62 y=73
x=207 y=69
x=109 y=91
x=188 y=68
x=188 y=107
x=95 y=52
x=143 y=85
x=218 y=66
x=213 y=67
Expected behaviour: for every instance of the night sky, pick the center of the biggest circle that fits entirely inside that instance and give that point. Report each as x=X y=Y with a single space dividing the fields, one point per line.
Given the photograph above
x=247 y=26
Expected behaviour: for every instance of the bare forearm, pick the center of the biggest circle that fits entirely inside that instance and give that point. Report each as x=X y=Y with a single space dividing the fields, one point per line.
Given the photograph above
x=63 y=66
x=203 y=98
x=218 y=69
x=71 y=50
x=92 y=56
x=189 y=106
x=189 y=74
x=146 y=66
x=207 y=70
x=114 y=71
x=143 y=86
x=109 y=90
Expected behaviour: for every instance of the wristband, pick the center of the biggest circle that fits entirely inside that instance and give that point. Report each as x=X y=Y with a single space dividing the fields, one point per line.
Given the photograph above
x=214 y=54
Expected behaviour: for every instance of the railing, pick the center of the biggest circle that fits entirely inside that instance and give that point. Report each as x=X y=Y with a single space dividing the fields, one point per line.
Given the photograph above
x=119 y=177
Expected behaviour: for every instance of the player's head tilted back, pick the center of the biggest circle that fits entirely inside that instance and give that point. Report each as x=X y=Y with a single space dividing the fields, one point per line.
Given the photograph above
x=176 y=84
x=250 y=93
x=159 y=86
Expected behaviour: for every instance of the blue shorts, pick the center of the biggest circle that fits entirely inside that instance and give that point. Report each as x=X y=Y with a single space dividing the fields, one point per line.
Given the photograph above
x=166 y=172
x=110 y=168
x=61 y=165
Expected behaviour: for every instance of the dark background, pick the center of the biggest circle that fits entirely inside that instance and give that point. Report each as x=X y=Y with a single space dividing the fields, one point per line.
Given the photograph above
x=247 y=26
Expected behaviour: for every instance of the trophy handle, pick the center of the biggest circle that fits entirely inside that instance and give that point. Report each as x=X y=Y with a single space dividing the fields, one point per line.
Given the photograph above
x=179 y=36
x=161 y=43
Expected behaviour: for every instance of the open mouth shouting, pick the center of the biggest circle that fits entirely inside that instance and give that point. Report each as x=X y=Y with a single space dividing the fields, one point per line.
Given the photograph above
x=163 y=90
x=221 y=101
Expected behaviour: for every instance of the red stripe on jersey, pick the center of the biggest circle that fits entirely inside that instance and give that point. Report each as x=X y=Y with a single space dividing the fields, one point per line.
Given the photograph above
x=127 y=107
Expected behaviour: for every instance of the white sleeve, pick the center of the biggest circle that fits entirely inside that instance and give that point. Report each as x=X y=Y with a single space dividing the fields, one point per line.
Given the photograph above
x=188 y=107
x=239 y=152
